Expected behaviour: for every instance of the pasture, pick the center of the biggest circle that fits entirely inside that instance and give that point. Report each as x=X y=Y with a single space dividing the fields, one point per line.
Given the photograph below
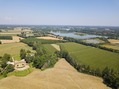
x=94 y=57
x=13 y=49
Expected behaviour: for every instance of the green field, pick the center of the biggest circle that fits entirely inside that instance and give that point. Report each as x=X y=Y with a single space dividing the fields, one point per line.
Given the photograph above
x=94 y=57
x=49 y=48
x=13 y=49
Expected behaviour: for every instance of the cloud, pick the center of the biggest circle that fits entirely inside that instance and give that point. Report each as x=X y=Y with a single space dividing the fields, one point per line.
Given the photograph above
x=9 y=18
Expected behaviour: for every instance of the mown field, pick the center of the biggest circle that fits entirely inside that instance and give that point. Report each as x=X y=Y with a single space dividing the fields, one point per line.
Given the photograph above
x=94 y=57
x=13 y=49
x=49 y=48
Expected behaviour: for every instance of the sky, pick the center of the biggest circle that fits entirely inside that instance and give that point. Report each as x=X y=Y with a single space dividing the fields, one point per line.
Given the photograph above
x=60 y=12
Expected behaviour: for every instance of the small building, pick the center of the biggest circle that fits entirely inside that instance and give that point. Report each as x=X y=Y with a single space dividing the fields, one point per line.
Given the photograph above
x=20 y=64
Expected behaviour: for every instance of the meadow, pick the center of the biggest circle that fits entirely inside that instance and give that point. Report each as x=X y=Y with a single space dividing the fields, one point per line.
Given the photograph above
x=13 y=49
x=94 y=57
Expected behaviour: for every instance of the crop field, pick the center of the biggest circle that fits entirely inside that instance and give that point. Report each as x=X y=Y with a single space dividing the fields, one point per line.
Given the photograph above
x=94 y=57
x=62 y=76
x=113 y=41
x=113 y=46
x=15 y=39
x=13 y=49
x=49 y=48
x=48 y=38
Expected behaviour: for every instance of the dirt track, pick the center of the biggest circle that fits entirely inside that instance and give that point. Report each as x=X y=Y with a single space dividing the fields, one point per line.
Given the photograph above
x=62 y=76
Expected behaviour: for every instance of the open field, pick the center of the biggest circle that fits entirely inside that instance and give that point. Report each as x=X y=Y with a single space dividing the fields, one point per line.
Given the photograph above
x=48 y=38
x=13 y=49
x=113 y=46
x=113 y=41
x=62 y=76
x=49 y=48
x=94 y=57
x=15 y=39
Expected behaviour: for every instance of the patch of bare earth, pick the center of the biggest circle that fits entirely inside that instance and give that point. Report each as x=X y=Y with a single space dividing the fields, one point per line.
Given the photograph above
x=62 y=76
x=56 y=46
x=15 y=39
x=48 y=38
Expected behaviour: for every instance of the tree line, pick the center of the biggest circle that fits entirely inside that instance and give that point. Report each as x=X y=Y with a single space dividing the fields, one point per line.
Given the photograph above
x=4 y=67
x=41 y=59
x=6 y=37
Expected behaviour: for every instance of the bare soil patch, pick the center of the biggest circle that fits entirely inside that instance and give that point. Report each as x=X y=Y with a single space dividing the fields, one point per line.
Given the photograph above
x=62 y=76
x=48 y=38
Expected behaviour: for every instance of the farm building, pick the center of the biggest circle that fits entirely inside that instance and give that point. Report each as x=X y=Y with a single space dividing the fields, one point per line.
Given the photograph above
x=19 y=65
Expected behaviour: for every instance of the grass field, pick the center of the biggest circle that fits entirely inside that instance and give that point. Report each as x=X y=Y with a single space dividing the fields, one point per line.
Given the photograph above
x=49 y=48
x=13 y=49
x=62 y=76
x=94 y=57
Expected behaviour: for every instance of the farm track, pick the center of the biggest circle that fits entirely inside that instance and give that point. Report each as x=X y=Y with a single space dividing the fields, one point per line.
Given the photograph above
x=62 y=76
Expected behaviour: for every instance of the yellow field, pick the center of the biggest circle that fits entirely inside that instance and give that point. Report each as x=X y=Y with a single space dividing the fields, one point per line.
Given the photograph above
x=13 y=49
x=48 y=38
x=113 y=41
x=62 y=76
x=113 y=46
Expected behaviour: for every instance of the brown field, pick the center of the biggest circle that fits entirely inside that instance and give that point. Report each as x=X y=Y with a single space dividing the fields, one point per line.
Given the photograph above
x=48 y=38
x=15 y=39
x=113 y=41
x=62 y=76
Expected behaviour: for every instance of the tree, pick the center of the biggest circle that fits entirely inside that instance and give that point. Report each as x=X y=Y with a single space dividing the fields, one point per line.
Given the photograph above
x=0 y=42
x=22 y=53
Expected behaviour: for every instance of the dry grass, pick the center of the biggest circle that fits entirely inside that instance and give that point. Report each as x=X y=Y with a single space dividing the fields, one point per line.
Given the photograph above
x=13 y=49
x=56 y=46
x=113 y=41
x=62 y=76
x=15 y=39
x=48 y=38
